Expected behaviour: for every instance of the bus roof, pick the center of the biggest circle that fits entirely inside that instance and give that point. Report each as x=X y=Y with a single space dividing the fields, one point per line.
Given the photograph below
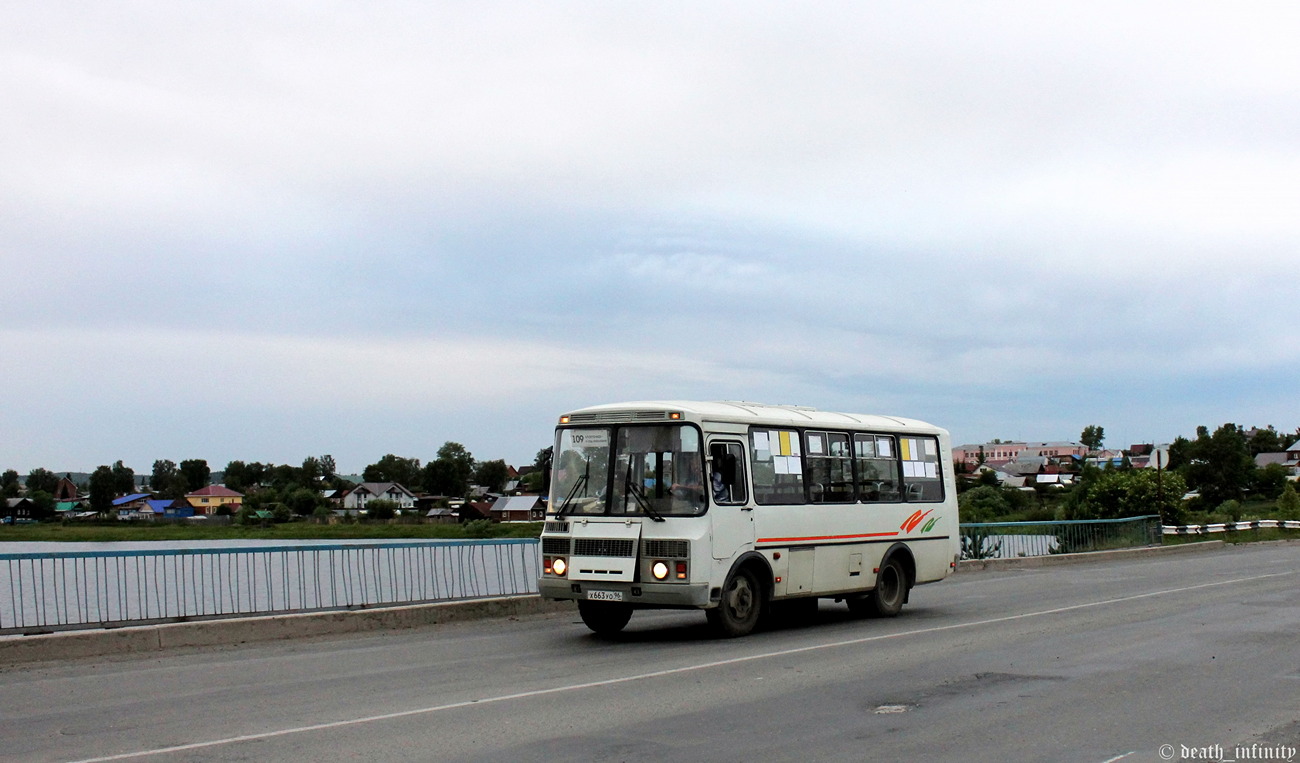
x=745 y=412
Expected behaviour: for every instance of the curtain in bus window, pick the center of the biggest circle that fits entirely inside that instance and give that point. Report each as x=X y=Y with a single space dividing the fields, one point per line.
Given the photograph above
x=877 y=461
x=829 y=468
x=778 y=466
x=921 y=474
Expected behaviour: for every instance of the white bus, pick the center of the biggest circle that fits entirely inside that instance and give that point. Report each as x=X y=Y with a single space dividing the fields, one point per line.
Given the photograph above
x=730 y=507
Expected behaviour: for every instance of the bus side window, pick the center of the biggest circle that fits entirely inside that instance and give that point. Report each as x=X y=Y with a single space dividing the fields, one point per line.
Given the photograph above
x=727 y=474
x=921 y=470
x=776 y=457
x=829 y=470
x=877 y=468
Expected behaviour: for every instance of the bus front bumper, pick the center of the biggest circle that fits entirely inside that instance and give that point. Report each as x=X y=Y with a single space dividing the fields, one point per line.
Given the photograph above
x=649 y=595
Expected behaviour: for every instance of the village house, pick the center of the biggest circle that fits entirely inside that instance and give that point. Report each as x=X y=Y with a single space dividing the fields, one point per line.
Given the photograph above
x=519 y=508
x=357 y=498
x=211 y=498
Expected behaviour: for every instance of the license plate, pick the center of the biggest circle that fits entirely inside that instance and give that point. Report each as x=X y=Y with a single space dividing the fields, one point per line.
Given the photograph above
x=604 y=595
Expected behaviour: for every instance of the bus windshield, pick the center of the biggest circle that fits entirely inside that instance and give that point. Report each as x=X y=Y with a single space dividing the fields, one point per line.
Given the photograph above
x=649 y=471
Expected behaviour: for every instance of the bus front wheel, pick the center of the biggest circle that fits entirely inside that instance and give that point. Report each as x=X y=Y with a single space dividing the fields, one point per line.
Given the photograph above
x=886 y=599
x=604 y=617
x=742 y=603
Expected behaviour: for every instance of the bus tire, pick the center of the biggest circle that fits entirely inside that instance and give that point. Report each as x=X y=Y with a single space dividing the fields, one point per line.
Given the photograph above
x=740 y=607
x=605 y=618
x=886 y=599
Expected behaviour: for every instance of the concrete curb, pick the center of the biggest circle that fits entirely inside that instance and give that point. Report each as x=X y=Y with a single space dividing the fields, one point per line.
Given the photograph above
x=67 y=645
x=1052 y=560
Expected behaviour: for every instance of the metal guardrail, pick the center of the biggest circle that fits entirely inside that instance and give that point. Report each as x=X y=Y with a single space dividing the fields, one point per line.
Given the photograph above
x=1223 y=527
x=1004 y=540
x=84 y=589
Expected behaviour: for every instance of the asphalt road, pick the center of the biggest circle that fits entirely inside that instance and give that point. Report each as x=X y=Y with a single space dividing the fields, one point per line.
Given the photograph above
x=1194 y=653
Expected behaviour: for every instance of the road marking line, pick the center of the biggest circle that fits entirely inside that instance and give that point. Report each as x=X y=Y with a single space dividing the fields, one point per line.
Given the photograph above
x=662 y=673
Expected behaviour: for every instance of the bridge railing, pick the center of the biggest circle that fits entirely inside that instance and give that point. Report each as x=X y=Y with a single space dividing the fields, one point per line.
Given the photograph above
x=1005 y=540
x=83 y=589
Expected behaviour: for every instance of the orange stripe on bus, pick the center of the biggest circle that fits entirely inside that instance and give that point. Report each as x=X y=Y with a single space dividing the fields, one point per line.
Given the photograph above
x=827 y=537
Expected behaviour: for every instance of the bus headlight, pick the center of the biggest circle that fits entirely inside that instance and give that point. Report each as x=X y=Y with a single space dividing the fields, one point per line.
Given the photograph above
x=659 y=570
x=559 y=566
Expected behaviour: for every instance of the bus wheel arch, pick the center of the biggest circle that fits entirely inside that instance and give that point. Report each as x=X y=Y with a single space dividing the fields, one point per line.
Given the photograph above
x=743 y=598
x=894 y=581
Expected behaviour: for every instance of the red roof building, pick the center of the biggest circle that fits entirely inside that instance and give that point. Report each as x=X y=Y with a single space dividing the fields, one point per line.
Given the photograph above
x=207 y=500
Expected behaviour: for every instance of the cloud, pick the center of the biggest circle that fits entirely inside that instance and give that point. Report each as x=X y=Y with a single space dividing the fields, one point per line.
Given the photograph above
x=496 y=208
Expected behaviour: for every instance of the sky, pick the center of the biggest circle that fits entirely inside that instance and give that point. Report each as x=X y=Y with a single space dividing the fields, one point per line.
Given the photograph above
x=271 y=230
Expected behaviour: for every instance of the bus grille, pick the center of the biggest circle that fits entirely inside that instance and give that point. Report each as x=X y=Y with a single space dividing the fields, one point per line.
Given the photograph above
x=603 y=547
x=674 y=549
x=552 y=546
x=556 y=527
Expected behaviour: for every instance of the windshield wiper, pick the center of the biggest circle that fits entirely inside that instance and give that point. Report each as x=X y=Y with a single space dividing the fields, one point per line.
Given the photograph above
x=635 y=492
x=578 y=484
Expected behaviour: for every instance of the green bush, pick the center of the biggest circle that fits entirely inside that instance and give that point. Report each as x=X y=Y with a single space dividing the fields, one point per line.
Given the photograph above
x=1119 y=493
x=381 y=508
x=478 y=528
x=1288 y=504
x=982 y=504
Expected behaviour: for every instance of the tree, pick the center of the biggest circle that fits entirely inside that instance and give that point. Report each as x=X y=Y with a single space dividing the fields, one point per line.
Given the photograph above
x=491 y=475
x=982 y=504
x=196 y=473
x=1219 y=465
x=1093 y=436
x=1288 y=504
x=163 y=470
x=311 y=472
x=282 y=476
x=1119 y=493
x=450 y=473
x=42 y=503
x=235 y=476
x=43 y=480
x=1265 y=441
x=304 y=501
x=391 y=468
x=123 y=479
x=1180 y=453
x=329 y=471
x=166 y=480
x=9 y=485
x=102 y=484
x=1269 y=481
x=254 y=474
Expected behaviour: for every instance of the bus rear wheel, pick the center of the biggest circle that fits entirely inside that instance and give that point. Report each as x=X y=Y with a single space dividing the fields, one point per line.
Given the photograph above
x=604 y=617
x=886 y=599
x=742 y=603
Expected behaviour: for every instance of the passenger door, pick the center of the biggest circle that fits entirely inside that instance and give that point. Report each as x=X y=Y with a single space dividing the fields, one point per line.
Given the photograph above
x=730 y=504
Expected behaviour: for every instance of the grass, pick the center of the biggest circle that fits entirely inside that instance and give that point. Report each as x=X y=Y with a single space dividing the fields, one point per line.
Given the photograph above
x=97 y=532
